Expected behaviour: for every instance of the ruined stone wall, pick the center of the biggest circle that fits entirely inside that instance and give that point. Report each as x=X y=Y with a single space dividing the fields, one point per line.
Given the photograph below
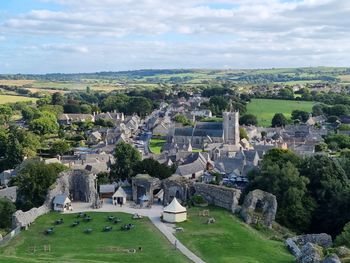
x=178 y=187
x=77 y=183
x=217 y=195
x=259 y=207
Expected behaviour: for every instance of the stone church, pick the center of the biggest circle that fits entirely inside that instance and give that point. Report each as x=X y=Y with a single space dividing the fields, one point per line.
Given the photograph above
x=204 y=133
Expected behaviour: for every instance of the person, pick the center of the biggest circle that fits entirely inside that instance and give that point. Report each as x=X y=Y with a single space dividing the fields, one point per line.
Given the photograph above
x=175 y=244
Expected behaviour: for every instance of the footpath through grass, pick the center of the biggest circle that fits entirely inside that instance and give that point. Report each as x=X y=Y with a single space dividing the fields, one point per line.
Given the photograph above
x=229 y=240
x=265 y=109
x=70 y=244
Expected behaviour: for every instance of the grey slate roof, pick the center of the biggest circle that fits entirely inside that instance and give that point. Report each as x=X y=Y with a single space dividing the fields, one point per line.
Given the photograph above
x=107 y=188
x=59 y=199
x=229 y=165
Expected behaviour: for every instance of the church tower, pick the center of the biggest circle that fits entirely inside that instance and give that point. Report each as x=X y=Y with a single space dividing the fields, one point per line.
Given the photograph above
x=231 y=127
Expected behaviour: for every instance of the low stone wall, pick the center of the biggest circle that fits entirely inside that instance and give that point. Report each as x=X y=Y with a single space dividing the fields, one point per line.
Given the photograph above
x=76 y=183
x=220 y=196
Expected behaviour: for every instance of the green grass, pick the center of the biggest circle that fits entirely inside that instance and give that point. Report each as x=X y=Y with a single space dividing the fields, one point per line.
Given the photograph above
x=156 y=145
x=229 y=240
x=72 y=245
x=265 y=109
x=12 y=99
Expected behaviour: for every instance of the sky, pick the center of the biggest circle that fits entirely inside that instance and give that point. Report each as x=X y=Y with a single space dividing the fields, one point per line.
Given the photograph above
x=70 y=36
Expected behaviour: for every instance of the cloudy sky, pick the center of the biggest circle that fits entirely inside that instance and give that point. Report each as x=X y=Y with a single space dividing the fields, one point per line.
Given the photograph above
x=43 y=36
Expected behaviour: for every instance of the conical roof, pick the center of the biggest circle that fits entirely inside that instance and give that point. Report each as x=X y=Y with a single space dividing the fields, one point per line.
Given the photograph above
x=175 y=207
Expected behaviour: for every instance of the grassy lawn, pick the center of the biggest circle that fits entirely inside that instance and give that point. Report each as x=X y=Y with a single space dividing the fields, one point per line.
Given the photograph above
x=12 y=99
x=265 y=109
x=229 y=240
x=156 y=145
x=70 y=244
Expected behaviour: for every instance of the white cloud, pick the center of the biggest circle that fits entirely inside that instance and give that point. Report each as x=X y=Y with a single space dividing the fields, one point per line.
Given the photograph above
x=191 y=33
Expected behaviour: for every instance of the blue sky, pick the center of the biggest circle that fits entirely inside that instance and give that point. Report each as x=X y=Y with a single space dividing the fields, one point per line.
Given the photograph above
x=44 y=36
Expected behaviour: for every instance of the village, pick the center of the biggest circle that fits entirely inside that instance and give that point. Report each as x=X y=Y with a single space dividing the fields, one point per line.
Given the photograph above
x=210 y=163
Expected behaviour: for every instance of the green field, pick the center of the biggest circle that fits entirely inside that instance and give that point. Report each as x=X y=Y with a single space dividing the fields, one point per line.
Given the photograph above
x=230 y=240
x=12 y=99
x=265 y=109
x=70 y=244
x=155 y=145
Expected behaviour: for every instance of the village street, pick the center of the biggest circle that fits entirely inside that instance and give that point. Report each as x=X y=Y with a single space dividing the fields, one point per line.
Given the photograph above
x=153 y=214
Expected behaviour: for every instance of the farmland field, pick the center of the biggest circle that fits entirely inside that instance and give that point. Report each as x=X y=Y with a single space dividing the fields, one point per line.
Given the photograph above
x=230 y=240
x=265 y=109
x=12 y=99
x=68 y=244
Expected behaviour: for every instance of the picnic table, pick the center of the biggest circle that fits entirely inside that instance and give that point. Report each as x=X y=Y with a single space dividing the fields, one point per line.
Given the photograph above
x=127 y=227
x=110 y=218
x=117 y=220
x=107 y=229
x=49 y=231
x=75 y=223
x=88 y=231
x=81 y=215
x=59 y=221
x=87 y=219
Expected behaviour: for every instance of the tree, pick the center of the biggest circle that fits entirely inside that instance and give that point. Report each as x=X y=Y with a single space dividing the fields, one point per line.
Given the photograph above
x=85 y=108
x=279 y=120
x=29 y=113
x=33 y=179
x=3 y=142
x=5 y=114
x=115 y=102
x=329 y=187
x=60 y=147
x=57 y=99
x=303 y=116
x=103 y=178
x=344 y=238
x=179 y=118
x=248 y=119
x=243 y=133
x=286 y=93
x=14 y=151
x=153 y=168
x=72 y=108
x=282 y=179
x=317 y=109
x=125 y=158
x=7 y=208
x=55 y=110
x=218 y=104
x=44 y=125
x=139 y=105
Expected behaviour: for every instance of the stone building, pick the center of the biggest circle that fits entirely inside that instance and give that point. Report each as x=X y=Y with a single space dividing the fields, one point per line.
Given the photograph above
x=209 y=132
x=144 y=185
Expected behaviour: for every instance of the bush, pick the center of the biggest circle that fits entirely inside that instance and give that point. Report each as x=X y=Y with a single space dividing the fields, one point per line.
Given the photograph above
x=198 y=199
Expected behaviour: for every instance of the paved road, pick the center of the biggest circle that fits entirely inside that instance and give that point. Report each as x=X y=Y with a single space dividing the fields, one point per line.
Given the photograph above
x=153 y=214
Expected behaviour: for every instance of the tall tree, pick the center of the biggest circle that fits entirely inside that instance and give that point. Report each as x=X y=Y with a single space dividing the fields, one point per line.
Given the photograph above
x=33 y=179
x=7 y=208
x=279 y=120
x=57 y=99
x=125 y=158
x=153 y=168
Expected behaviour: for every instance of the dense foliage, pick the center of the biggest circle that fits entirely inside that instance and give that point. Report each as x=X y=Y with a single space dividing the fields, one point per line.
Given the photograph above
x=7 y=208
x=33 y=180
x=313 y=193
